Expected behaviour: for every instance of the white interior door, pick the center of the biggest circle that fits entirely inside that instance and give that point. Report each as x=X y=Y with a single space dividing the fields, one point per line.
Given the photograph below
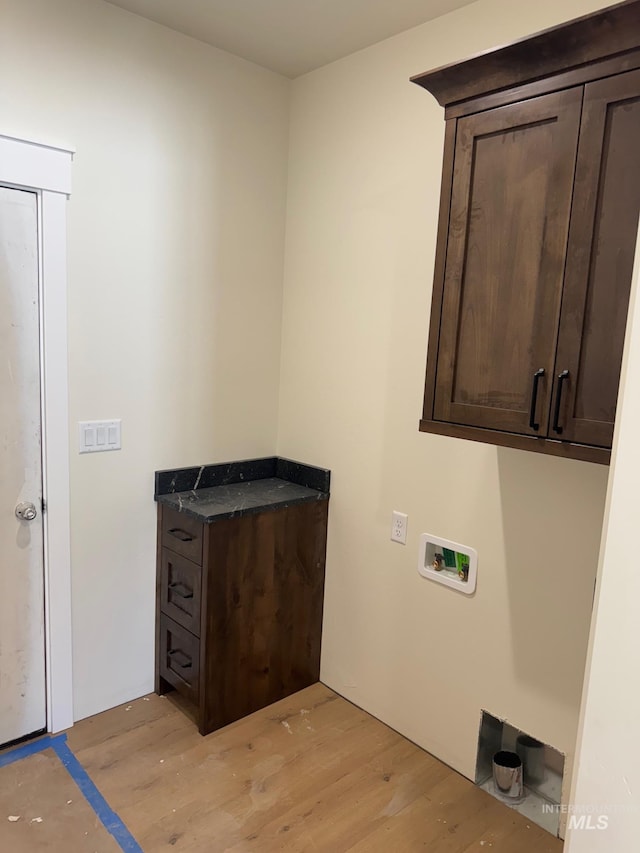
x=22 y=645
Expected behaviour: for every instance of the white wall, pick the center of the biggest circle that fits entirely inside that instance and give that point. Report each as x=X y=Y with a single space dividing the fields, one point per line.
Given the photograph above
x=607 y=778
x=364 y=181
x=176 y=235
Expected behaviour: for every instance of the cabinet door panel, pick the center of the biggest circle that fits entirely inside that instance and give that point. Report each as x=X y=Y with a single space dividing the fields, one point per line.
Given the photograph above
x=600 y=259
x=509 y=222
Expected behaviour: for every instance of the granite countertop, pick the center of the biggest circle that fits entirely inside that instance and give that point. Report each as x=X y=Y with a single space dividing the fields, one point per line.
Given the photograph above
x=213 y=492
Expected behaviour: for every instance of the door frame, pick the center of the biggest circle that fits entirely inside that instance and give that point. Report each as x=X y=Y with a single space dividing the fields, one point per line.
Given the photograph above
x=46 y=170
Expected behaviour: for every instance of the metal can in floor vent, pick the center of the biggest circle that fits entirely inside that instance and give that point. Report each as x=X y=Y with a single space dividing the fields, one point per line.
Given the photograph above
x=507 y=775
x=532 y=753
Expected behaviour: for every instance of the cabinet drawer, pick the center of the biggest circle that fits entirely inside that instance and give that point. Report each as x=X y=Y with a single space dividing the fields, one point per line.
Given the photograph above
x=182 y=534
x=179 y=662
x=180 y=583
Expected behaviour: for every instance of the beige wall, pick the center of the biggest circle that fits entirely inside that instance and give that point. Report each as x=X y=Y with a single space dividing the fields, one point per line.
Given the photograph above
x=364 y=174
x=176 y=234
x=607 y=774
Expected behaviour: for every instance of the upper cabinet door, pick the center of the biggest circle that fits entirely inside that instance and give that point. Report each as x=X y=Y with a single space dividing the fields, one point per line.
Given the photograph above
x=604 y=224
x=508 y=229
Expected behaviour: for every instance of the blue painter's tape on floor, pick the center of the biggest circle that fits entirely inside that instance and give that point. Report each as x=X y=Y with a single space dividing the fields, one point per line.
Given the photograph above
x=103 y=810
x=92 y=795
x=24 y=751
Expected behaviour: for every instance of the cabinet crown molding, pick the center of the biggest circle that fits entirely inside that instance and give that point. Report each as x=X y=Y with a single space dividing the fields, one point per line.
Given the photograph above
x=583 y=41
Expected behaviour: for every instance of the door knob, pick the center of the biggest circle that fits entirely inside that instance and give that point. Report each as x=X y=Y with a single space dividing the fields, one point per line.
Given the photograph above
x=26 y=511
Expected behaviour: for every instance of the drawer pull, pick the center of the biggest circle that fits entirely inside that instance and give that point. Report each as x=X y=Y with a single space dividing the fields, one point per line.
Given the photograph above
x=181 y=590
x=187 y=660
x=180 y=534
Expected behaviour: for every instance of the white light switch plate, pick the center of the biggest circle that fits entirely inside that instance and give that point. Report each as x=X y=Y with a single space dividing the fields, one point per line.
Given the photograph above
x=97 y=436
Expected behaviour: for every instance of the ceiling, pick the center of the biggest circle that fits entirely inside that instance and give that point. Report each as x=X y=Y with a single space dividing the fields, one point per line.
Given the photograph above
x=290 y=36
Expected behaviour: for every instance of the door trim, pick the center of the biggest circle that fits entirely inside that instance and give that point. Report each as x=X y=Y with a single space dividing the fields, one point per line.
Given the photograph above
x=46 y=170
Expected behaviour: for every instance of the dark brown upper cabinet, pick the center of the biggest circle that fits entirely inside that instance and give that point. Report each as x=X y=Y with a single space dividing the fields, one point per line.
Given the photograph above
x=538 y=223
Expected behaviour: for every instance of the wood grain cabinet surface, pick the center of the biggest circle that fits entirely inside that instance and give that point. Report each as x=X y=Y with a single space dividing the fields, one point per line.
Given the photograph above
x=239 y=608
x=538 y=222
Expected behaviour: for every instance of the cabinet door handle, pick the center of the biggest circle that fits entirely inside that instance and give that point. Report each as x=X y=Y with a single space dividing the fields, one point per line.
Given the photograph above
x=180 y=534
x=181 y=590
x=556 y=414
x=537 y=376
x=187 y=660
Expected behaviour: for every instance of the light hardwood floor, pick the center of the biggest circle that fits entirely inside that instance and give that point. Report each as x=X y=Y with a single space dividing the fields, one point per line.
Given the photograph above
x=310 y=773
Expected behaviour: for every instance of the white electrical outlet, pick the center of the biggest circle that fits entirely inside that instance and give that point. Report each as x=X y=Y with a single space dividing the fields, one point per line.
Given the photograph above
x=399 y=527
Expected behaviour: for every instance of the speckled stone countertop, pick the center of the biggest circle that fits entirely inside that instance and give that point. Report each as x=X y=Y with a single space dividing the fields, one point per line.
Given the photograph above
x=213 y=492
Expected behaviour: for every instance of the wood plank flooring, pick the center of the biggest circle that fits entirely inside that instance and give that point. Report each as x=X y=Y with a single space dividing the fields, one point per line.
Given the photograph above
x=41 y=807
x=310 y=773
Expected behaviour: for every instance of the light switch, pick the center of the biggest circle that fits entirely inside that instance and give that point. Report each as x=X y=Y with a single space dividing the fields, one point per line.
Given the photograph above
x=98 y=436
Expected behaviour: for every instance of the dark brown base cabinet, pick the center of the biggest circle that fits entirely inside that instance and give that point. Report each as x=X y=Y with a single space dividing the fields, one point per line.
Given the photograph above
x=239 y=608
x=538 y=223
